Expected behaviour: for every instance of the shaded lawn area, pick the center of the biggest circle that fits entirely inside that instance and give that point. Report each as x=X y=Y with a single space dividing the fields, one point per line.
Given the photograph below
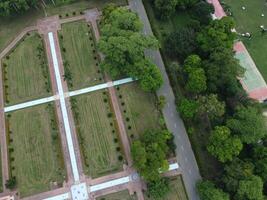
x=97 y=131
x=123 y=195
x=209 y=167
x=177 y=190
x=139 y=109
x=250 y=20
x=79 y=59
x=10 y=27
x=25 y=78
x=35 y=151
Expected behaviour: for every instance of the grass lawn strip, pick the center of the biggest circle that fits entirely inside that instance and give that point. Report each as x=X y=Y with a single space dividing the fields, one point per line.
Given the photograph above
x=250 y=20
x=80 y=58
x=139 y=109
x=35 y=152
x=177 y=190
x=123 y=195
x=26 y=72
x=98 y=135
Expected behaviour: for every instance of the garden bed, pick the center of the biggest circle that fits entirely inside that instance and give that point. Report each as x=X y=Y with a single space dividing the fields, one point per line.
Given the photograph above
x=97 y=133
x=81 y=62
x=35 y=156
x=123 y=195
x=139 y=109
x=25 y=71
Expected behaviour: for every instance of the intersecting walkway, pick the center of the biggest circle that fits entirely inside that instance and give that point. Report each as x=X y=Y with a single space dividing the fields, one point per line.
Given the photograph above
x=72 y=93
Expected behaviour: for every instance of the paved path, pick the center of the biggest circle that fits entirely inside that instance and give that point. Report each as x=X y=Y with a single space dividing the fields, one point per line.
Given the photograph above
x=184 y=152
x=66 y=94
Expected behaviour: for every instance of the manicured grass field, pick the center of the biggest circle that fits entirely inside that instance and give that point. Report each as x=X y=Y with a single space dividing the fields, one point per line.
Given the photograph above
x=35 y=152
x=79 y=55
x=139 y=109
x=123 y=195
x=26 y=72
x=98 y=135
x=177 y=190
x=250 y=20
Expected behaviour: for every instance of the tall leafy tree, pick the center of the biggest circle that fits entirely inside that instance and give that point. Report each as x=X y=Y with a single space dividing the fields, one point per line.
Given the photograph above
x=222 y=145
x=208 y=191
x=188 y=108
x=210 y=105
x=13 y=7
x=260 y=159
x=123 y=46
x=149 y=154
x=250 y=188
x=165 y=8
x=158 y=189
x=248 y=122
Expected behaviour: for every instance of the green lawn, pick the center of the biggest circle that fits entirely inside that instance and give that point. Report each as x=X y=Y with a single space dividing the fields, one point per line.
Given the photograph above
x=35 y=152
x=249 y=20
x=77 y=46
x=10 y=27
x=139 y=109
x=97 y=131
x=25 y=77
x=123 y=195
x=177 y=190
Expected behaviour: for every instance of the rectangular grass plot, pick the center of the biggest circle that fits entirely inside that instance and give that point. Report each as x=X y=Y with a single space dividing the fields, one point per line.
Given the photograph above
x=35 y=152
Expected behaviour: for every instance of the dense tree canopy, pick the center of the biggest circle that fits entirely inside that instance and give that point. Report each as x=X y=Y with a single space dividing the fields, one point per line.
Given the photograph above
x=208 y=191
x=249 y=124
x=202 y=11
x=149 y=154
x=158 y=189
x=123 y=46
x=222 y=145
x=188 y=108
x=260 y=160
x=13 y=7
x=217 y=34
x=211 y=106
x=181 y=43
x=250 y=189
x=165 y=8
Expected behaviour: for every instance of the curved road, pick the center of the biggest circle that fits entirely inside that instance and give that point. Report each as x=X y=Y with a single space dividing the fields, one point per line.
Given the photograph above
x=184 y=152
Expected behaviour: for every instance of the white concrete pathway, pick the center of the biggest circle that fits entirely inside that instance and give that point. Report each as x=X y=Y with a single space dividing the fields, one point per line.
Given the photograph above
x=108 y=184
x=72 y=93
x=64 y=109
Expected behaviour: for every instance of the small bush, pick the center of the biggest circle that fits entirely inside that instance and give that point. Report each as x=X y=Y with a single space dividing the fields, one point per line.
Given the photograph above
x=105 y=100
x=81 y=12
x=60 y=16
x=74 y=13
x=113 y=131
x=120 y=96
x=127 y=119
x=120 y=158
x=118 y=149
x=115 y=140
x=132 y=136
x=64 y=49
x=67 y=14
x=129 y=127
x=124 y=111
x=109 y=114
x=111 y=124
x=122 y=103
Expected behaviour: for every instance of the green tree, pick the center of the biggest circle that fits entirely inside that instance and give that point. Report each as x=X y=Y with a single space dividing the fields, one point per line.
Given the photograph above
x=236 y=171
x=260 y=159
x=158 y=189
x=196 y=82
x=181 y=43
x=11 y=183
x=248 y=123
x=250 y=188
x=208 y=191
x=149 y=154
x=188 y=108
x=13 y=7
x=222 y=145
x=216 y=35
x=183 y=4
x=165 y=8
x=202 y=12
x=161 y=102
x=210 y=105
x=123 y=46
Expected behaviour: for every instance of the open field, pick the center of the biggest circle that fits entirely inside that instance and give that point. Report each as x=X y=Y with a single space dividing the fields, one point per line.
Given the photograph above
x=97 y=133
x=26 y=74
x=35 y=152
x=80 y=57
x=10 y=27
x=139 y=109
x=177 y=190
x=123 y=195
x=250 y=20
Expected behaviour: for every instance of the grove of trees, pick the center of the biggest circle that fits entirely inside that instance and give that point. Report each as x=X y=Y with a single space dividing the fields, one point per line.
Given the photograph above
x=213 y=104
